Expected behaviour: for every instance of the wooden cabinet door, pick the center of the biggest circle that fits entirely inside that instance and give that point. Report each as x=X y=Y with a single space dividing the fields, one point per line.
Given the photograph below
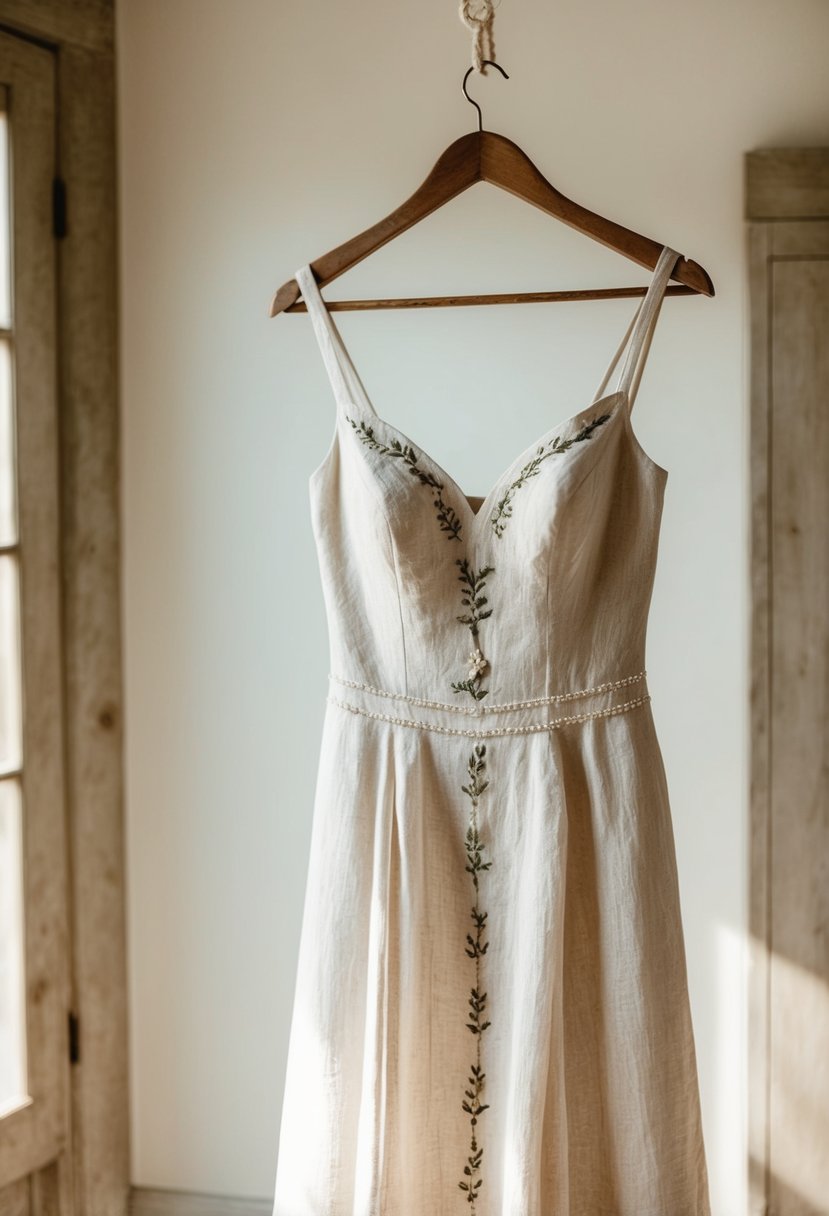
x=787 y=195
x=34 y=912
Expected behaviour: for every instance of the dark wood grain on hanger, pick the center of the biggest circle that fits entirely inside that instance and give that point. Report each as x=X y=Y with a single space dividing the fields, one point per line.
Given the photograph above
x=484 y=156
x=506 y=297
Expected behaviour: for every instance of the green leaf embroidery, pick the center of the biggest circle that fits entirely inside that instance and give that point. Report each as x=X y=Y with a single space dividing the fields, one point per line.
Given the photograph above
x=503 y=508
x=476 y=948
x=474 y=600
x=447 y=516
x=472 y=686
x=474 y=583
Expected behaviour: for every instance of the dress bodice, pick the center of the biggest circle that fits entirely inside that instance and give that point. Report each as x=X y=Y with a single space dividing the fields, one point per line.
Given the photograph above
x=544 y=589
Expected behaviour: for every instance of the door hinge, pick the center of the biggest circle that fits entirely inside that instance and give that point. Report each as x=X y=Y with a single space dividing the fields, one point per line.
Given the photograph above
x=59 y=208
x=74 y=1038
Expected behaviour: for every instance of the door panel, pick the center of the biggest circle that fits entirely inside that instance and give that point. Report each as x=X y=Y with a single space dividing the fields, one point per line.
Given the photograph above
x=788 y=206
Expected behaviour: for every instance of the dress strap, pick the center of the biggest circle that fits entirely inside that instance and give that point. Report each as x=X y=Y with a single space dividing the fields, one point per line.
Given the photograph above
x=641 y=329
x=600 y=390
x=345 y=380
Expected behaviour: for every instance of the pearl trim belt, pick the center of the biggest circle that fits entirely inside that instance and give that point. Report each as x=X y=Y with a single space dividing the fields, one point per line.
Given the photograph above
x=491 y=708
x=502 y=730
x=526 y=727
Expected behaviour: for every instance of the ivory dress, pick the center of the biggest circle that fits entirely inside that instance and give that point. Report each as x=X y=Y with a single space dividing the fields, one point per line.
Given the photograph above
x=491 y=1011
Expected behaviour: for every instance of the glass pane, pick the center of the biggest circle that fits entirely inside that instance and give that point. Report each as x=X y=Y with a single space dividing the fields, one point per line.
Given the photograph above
x=8 y=461
x=10 y=666
x=5 y=260
x=13 y=1072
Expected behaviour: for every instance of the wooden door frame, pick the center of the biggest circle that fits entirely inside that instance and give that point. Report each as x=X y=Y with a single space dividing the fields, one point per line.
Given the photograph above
x=82 y=36
x=782 y=188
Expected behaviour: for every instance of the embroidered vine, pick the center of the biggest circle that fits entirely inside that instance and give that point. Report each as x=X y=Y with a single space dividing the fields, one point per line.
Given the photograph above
x=476 y=948
x=473 y=598
x=503 y=509
x=447 y=516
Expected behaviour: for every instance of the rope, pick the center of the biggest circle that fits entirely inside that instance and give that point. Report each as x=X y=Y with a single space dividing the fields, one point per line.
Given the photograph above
x=479 y=16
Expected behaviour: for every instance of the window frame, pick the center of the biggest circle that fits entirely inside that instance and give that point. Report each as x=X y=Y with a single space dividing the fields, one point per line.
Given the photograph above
x=35 y=1132
x=92 y=1175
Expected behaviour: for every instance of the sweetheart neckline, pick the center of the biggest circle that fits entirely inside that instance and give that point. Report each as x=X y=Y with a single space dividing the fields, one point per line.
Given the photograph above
x=473 y=519
x=338 y=360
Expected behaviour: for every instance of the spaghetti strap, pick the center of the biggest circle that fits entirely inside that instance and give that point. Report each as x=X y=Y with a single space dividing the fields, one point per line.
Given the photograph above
x=640 y=330
x=344 y=377
x=601 y=389
x=347 y=385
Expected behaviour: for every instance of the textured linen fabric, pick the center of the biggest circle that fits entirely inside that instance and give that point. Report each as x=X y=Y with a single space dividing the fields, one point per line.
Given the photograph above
x=491 y=1011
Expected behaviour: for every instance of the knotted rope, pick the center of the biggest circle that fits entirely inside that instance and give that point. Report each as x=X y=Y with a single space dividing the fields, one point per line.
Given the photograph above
x=479 y=16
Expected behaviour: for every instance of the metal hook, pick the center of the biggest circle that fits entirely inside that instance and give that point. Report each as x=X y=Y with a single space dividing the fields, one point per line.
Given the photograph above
x=493 y=64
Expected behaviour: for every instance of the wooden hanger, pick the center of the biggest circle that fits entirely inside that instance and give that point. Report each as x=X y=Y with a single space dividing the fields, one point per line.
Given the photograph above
x=483 y=156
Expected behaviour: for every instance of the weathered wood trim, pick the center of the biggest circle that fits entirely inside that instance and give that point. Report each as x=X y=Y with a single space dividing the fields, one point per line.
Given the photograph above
x=787 y=183
x=88 y=334
x=38 y=1131
x=14 y=1198
x=786 y=206
x=759 y=253
x=80 y=23
x=96 y=1180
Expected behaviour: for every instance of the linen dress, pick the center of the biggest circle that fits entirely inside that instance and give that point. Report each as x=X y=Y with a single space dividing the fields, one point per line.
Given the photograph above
x=491 y=1011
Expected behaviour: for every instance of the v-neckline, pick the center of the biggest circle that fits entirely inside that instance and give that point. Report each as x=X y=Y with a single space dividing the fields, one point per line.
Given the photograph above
x=473 y=520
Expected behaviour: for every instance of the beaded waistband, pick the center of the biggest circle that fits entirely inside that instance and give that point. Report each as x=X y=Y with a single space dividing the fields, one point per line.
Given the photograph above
x=509 y=718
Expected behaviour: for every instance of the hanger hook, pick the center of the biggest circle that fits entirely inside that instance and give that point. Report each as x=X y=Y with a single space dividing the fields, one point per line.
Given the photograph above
x=493 y=64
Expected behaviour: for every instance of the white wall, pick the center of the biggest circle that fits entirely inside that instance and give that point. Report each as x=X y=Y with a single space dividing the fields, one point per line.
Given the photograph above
x=254 y=137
